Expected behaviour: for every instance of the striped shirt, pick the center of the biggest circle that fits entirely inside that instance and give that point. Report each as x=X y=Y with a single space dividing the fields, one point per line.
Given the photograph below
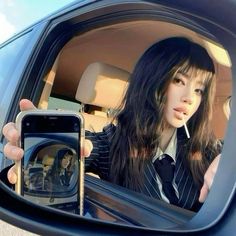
x=99 y=163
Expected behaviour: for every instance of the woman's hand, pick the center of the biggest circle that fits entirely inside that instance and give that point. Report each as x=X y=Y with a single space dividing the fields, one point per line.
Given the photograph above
x=208 y=179
x=13 y=152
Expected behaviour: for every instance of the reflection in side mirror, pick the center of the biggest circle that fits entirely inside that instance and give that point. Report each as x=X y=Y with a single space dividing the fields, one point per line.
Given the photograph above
x=51 y=174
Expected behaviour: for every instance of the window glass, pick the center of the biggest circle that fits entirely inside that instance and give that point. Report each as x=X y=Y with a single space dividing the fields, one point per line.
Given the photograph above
x=11 y=60
x=8 y=55
x=59 y=103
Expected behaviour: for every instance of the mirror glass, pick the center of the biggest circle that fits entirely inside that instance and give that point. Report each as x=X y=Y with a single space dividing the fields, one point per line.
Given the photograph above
x=124 y=53
x=60 y=92
x=46 y=171
x=50 y=168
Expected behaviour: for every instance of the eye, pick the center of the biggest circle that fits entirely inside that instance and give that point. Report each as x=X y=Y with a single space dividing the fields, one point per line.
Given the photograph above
x=199 y=91
x=177 y=80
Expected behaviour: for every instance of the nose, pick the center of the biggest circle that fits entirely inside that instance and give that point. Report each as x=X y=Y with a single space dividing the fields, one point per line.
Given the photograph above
x=188 y=96
x=188 y=100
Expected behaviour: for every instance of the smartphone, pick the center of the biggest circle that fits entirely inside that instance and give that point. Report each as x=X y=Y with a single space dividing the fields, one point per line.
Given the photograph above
x=51 y=171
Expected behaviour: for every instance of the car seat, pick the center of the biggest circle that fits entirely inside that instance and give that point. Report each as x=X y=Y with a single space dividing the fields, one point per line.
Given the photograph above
x=100 y=91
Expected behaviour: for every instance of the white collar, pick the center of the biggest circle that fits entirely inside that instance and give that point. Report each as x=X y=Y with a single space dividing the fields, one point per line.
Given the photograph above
x=170 y=149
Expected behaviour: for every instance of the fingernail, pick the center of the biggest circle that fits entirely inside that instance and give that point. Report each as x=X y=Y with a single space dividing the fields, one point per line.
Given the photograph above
x=12 y=178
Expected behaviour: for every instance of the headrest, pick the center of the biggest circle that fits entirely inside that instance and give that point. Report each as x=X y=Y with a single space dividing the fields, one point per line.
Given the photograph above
x=102 y=85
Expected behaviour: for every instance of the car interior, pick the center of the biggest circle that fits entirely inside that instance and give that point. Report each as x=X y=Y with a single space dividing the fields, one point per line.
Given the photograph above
x=102 y=86
x=93 y=69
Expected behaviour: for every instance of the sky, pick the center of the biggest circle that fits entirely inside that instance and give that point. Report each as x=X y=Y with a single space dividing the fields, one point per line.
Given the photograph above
x=16 y=15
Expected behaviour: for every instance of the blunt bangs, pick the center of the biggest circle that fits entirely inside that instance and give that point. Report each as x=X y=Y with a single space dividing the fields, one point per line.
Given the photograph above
x=194 y=71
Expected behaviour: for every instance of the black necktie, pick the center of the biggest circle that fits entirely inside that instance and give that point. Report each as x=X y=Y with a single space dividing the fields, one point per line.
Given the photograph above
x=166 y=170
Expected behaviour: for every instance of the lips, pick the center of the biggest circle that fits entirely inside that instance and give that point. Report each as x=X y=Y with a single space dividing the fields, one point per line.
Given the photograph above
x=182 y=110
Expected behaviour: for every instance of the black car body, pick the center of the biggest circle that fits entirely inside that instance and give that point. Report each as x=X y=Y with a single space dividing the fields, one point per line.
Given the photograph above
x=108 y=31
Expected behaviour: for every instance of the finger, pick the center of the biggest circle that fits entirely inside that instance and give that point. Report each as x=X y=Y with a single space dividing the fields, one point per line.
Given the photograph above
x=26 y=104
x=87 y=148
x=215 y=163
x=11 y=175
x=211 y=171
x=208 y=178
x=13 y=152
x=203 y=193
x=10 y=132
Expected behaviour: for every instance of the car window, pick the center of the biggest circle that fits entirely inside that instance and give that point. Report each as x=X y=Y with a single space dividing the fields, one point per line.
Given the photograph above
x=8 y=54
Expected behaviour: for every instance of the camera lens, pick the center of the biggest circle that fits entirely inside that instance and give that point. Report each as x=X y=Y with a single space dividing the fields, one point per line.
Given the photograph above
x=76 y=127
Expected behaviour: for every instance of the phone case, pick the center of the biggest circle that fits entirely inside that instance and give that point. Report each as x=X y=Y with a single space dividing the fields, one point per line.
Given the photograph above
x=19 y=119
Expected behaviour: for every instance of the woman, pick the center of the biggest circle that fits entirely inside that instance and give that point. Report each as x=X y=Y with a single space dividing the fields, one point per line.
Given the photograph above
x=58 y=175
x=172 y=83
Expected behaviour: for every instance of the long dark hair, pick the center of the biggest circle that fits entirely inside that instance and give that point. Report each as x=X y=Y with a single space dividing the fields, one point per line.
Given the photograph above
x=56 y=168
x=140 y=122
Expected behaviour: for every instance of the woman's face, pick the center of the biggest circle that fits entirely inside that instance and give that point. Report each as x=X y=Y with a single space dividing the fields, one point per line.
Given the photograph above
x=184 y=96
x=65 y=161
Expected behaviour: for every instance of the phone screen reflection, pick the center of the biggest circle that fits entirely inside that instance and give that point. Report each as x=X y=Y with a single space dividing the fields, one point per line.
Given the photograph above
x=51 y=170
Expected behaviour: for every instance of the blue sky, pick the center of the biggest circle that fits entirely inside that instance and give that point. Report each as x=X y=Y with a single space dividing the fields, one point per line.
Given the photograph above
x=15 y=15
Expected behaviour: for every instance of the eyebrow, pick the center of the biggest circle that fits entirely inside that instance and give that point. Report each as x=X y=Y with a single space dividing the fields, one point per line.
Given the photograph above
x=199 y=82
